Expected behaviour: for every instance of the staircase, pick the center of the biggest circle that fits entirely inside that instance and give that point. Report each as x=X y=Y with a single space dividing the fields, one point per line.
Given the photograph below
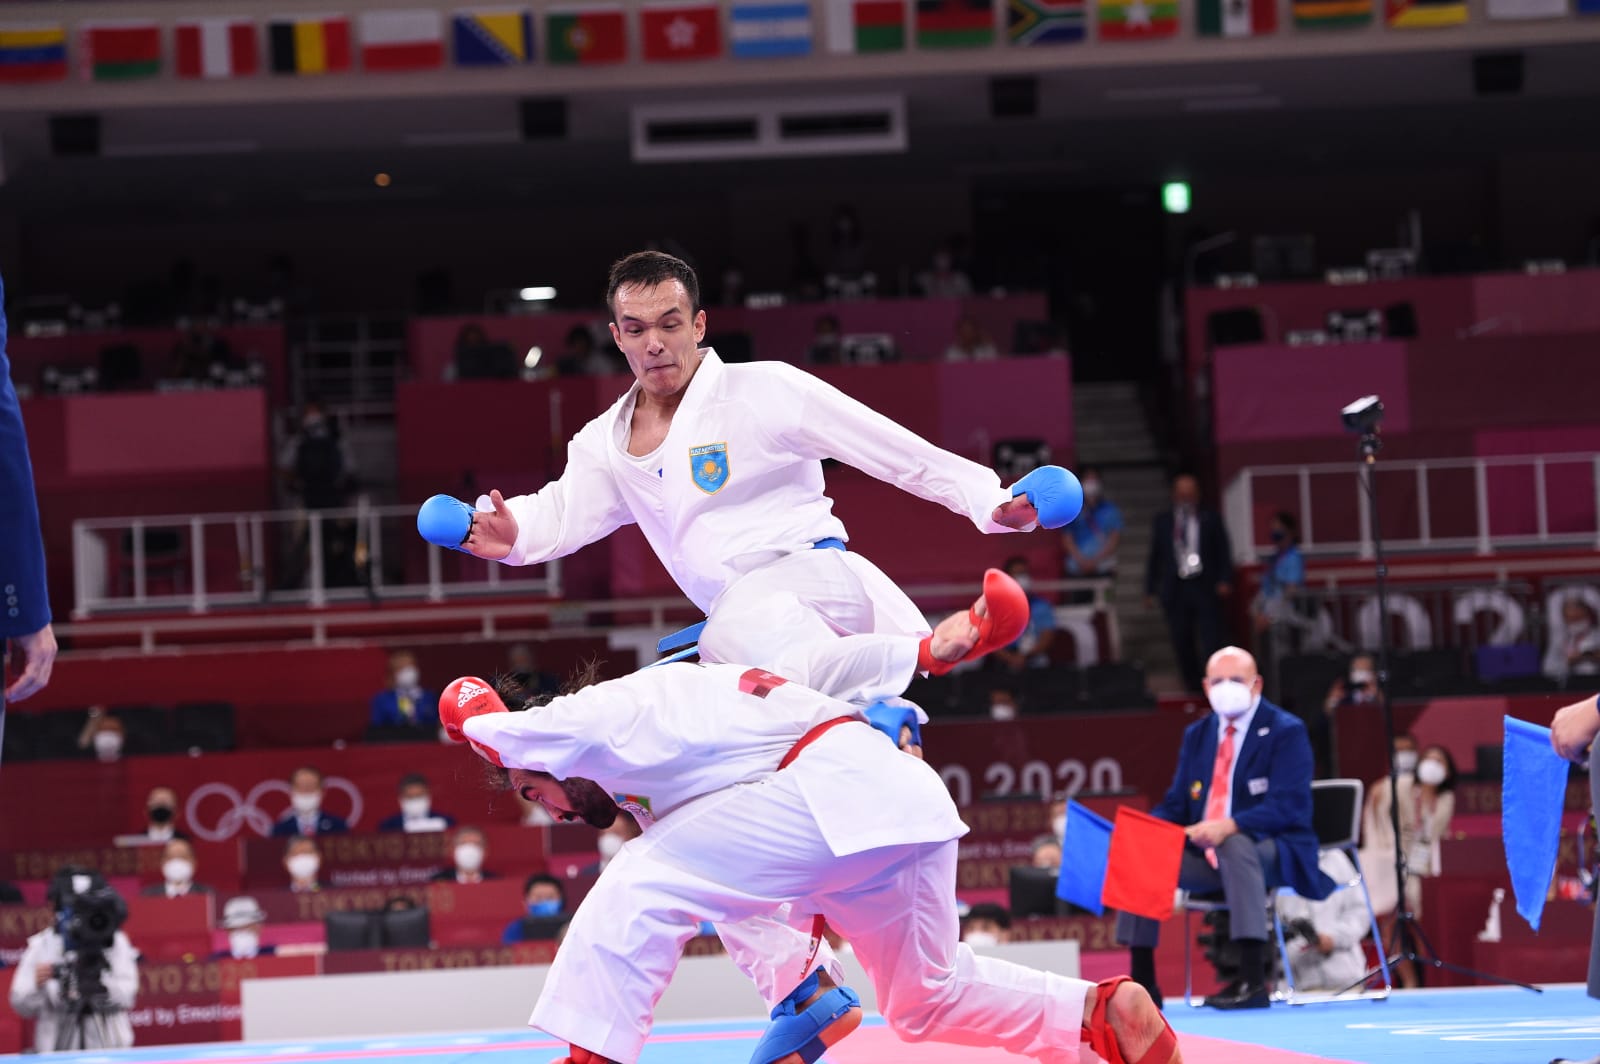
x=1112 y=433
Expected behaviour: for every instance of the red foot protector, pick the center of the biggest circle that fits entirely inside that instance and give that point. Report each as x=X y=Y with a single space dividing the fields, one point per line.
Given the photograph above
x=1003 y=623
x=1097 y=1032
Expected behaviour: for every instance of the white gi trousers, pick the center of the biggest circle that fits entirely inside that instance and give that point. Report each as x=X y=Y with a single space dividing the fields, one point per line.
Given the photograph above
x=750 y=849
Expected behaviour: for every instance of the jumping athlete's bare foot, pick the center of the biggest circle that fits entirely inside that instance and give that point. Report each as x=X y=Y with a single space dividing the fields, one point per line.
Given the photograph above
x=1136 y=1024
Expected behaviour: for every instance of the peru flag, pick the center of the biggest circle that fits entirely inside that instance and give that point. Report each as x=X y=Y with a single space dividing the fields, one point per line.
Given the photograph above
x=402 y=40
x=681 y=30
x=217 y=48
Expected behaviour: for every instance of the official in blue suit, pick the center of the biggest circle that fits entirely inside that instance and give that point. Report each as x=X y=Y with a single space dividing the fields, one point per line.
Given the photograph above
x=1243 y=794
x=24 y=607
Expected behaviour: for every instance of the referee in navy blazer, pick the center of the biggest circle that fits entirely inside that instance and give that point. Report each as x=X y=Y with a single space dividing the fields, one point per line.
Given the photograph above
x=1242 y=792
x=30 y=643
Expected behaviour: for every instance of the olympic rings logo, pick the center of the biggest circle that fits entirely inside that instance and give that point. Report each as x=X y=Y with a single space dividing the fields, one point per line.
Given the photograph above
x=244 y=810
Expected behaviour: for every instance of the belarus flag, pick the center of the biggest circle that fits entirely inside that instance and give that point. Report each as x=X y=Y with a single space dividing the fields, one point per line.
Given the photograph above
x=217 y=48
x=402 y=40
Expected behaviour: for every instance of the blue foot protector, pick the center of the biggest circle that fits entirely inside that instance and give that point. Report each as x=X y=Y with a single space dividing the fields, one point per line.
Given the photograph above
x=892 y=715
x=1054 y=492
x=444 y=521
x=792 y=1032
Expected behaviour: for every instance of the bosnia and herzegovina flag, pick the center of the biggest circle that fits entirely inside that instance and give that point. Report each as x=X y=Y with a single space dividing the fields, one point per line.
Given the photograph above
x=492 y=38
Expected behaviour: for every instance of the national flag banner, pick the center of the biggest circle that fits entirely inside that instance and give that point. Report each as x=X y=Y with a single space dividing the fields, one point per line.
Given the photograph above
x=1588 y=7
x=769 y=29
x=1526 y=9
x=1082 y=880
x=676 y=30
x=122 y=51
x=1031 y=22
x=491 y=38
x=868 y=26
x=309 y=44
x=32 y=51
x=1426 y=14
x=1137 y=20
x=1236 y=18
x=216 y=48
x=399 y=41
x=593 y=33
x=954 y=23
x=1330 y=14
x=1142 y=865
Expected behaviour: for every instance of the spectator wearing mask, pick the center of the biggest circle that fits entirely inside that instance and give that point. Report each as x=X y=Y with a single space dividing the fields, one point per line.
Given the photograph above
x=971 y=344
x=1426 y=802
x=1358 y=688
x=416 y=808
x=305 y=815
x=177 y=873
x=1032 y=649
x=522 y=665
x=102 y=735
x=468 y=849
x=1002 y=704
x=1092 y=539
x=1282 y=579
x=36 y=990
x=1324 y=937
x=1058 y=819
x=544 y=896
x=161 y=815
x=302 y=860
x=986 y=924
x=405 y=705
x=1190 y=572
x=318 y=469
x=944 y=279
x=827 y=341
x=1046 y=853
x=243 y=919
x=1574 y=648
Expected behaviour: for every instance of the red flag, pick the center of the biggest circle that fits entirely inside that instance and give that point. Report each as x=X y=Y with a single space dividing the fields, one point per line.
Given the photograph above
x=681 y=31
x=1142 y=872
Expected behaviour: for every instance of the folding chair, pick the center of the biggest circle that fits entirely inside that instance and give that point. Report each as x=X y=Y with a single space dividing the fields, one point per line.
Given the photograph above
x=1336 y=818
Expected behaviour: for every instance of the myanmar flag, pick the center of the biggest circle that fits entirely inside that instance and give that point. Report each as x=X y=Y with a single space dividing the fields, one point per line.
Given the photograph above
x=315 y=45
x=1137 y=20
x=593 y=33
x=1426 y=14
x=1331 y=14
x=868 y=25
x=1236 y=18
x=122 y=51
x=954 y=23
x=1030 y=22
x=492 y=38
x=32 y=52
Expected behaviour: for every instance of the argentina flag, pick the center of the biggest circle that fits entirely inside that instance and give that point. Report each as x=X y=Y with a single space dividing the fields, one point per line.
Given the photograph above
x=765 y=30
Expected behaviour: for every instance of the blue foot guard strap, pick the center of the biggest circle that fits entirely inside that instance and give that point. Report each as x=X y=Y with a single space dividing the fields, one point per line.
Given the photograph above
x=792 y=1032
x=683 y=644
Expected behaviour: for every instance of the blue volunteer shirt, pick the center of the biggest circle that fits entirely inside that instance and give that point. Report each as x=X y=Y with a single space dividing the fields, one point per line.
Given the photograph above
x=1089 y=532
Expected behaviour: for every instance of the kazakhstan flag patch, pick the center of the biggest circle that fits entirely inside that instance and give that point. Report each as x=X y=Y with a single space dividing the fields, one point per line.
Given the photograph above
x=708 y=466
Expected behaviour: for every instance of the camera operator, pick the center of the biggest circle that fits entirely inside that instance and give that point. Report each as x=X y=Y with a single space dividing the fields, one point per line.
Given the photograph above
x=1324 y=937
x=78 y=979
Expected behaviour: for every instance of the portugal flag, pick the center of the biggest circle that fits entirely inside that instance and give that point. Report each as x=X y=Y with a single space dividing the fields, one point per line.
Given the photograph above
x=594 y=33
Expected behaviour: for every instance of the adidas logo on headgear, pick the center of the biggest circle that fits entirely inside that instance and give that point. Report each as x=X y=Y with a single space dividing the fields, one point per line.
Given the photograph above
x=469 y=691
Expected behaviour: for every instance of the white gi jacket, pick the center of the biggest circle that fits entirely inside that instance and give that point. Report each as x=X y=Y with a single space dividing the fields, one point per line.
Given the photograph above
x=664 y=736
x=42 y=1001
x=738 y=480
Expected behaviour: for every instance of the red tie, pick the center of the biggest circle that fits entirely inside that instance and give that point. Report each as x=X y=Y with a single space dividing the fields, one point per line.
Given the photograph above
x=1221 y=783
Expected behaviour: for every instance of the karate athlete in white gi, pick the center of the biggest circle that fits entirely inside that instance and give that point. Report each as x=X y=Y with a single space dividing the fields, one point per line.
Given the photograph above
x=721 y=468
x=756 y=793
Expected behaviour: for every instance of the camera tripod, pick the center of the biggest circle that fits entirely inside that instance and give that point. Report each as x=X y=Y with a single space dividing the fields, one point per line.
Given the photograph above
x=81 y=1020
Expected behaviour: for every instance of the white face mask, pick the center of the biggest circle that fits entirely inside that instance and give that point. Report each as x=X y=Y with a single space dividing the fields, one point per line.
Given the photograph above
x=107 y=745
x=304 y=865
x=1432 y=772
x=1405 y=760
x=1024 y=581
x=177 y=870
x=610 y=845
x=406 y=676
x=306 y=804
x=1230 y=698
x=1362 y=677
x=980 y=939
x=416 y=808
x=1003 y=711
x=1091 y=489
x=469 y=857
x=1059 y=826
x=244 y=943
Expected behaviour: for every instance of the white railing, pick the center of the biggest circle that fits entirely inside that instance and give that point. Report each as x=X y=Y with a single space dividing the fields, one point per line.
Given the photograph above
x=317 y=558
x=1306 y=490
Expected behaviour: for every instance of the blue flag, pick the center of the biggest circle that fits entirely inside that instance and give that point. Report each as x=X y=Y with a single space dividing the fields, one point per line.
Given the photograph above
x=1532 y=796
x=1083 y=873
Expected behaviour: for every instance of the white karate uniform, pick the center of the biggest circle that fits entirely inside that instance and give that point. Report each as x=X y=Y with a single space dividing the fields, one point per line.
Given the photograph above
x=850 y=829
x=733 y=504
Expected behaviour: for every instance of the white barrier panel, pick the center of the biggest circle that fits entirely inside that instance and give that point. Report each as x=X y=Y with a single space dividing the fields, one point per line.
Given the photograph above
x=478 y=999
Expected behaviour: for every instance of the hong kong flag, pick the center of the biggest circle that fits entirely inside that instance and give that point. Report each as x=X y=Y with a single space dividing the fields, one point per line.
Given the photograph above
x=680 y=31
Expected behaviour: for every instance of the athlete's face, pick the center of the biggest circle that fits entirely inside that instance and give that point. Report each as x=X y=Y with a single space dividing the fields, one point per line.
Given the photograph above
x=569 y=799
x=659 y=334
